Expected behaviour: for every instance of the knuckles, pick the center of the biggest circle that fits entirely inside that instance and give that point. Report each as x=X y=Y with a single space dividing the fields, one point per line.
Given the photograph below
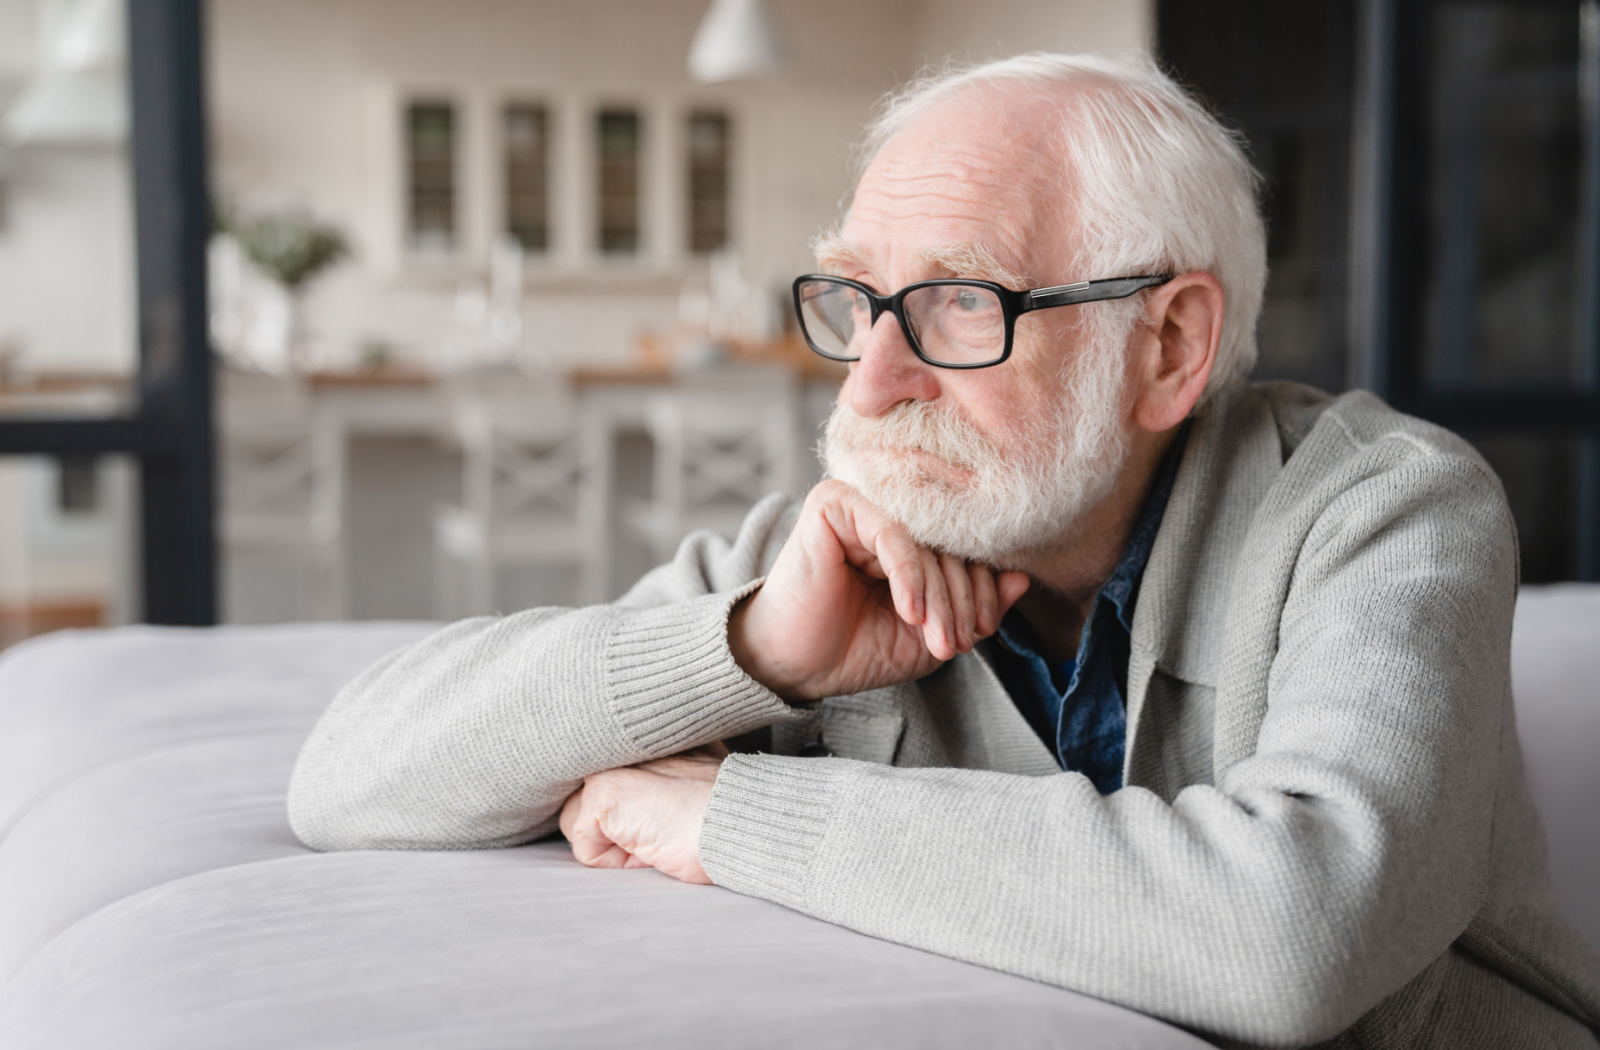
x=830 y=492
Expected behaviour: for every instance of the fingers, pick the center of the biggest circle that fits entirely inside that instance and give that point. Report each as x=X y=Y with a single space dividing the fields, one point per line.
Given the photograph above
x=916 y=578
x=985 y=600
x=875 y=545
x=907 y=567
x=963 y=604
x=570 y=810
x=1011 y=586
x=966 y=601
x=580 y=823
x=632 y=818
x=938 y=627
x=953 y=602
x=611 y=856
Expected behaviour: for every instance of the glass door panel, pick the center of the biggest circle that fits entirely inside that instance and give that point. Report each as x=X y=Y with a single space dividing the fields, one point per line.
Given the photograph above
x=1502 y=157
x=67 y=304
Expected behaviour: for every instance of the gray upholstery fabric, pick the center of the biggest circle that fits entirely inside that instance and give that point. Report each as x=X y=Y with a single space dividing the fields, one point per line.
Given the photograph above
x=152 y=896
x=1555 y=674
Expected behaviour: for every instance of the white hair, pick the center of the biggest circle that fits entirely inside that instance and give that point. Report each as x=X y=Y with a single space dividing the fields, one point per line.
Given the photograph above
x=1161 y=185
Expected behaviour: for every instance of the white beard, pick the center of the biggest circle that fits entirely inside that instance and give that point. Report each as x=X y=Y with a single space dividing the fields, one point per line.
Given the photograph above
x=1010 y=503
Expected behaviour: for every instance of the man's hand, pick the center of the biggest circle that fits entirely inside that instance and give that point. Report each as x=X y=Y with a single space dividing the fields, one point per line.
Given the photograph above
x=853 y=603
x=644 y=816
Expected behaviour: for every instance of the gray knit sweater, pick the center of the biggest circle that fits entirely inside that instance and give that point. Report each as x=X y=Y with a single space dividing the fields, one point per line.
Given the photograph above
x=1325 y=833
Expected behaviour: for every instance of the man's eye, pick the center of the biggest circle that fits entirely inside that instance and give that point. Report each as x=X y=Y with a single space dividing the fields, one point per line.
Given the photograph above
x=969 y=300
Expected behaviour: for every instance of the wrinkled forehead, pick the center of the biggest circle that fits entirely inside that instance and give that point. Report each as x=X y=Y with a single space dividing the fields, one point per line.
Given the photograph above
x=978 y=179
x=838 y=253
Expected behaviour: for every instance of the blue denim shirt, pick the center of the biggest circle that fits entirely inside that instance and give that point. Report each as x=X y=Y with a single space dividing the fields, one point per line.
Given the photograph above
x=1077 y=706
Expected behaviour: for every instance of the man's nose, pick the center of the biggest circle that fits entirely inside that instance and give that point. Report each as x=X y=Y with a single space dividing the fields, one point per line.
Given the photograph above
x=889 y=372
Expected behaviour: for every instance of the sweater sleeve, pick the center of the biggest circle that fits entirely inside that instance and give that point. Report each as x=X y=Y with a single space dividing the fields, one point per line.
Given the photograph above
x=476 y=735
x=1276 y=905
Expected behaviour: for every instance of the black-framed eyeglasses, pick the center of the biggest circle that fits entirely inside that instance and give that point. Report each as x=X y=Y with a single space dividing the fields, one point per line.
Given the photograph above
x=950 y=323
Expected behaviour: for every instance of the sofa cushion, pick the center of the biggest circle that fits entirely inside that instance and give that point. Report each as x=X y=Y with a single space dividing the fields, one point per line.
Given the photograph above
x=152 y=896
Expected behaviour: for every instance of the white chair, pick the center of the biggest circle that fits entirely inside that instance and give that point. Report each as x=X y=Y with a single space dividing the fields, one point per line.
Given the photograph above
x=281 y=491
x=529 y=497
x=722 y=442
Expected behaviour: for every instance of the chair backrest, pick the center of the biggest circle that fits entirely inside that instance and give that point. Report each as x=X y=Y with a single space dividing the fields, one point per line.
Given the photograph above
x=1555 y=673
x=268 y=464
x=721 y=446
x=523 y=455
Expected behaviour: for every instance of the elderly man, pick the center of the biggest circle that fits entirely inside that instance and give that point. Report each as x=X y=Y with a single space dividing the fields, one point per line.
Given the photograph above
x=1090 y=662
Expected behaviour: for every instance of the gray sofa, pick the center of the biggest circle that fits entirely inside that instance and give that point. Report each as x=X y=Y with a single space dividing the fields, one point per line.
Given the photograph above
x=151 y=894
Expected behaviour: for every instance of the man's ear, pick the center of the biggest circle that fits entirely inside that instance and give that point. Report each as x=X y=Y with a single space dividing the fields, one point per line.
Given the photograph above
x=1173 y=351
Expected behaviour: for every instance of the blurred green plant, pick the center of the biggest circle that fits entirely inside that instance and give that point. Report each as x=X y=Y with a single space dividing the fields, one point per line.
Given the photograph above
x=291 y=246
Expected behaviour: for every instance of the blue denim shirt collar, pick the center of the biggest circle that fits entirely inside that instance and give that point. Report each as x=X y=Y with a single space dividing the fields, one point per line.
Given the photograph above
x=1077 y=706
x=1121 y=589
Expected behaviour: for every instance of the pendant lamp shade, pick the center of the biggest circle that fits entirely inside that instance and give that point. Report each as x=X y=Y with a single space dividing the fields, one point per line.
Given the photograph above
x=78 y=94
x=736 y=41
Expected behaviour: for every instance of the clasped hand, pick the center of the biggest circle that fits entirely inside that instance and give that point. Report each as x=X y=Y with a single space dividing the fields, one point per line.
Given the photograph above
x=645 y=816
x=852 y=603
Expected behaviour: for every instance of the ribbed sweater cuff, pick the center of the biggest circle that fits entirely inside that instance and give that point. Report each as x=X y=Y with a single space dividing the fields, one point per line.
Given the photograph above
x=765 y=820
x=674 y=683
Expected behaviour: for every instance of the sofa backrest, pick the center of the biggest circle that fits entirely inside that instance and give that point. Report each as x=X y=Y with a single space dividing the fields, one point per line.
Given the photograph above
x=1555 y=674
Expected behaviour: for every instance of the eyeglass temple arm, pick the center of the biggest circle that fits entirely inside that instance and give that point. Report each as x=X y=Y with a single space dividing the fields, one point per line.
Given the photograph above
x=1090 y=291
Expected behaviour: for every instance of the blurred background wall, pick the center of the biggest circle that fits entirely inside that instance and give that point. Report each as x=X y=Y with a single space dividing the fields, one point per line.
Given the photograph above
x=307 y=100
x=481 y=272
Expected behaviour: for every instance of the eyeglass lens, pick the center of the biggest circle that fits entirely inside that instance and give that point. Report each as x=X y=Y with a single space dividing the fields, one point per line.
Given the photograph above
x=836 y=318
x=957 y=324
x=952 y=324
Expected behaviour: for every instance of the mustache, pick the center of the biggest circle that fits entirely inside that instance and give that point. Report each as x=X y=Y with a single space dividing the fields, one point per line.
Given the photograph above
x=914 y=426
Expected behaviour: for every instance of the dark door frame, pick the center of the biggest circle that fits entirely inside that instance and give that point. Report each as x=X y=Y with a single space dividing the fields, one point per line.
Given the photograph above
x=170 y=430
x=1387 y=211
